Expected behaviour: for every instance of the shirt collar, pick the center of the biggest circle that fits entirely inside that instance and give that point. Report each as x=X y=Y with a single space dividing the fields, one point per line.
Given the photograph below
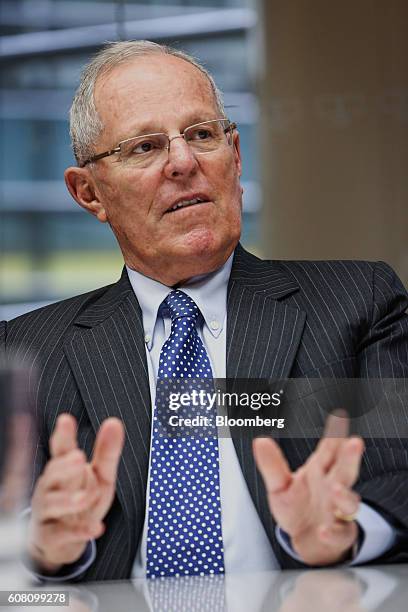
x=209 y=291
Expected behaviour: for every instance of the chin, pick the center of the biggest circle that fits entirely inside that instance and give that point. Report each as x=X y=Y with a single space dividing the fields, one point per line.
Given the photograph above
x=207 y=244
x=205 y=251
x=200 y=243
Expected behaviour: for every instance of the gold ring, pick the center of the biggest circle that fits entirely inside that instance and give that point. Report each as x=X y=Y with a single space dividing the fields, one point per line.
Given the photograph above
x=345 y=518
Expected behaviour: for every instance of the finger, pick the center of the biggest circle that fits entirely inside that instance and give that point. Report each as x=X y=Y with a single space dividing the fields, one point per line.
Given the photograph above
x=337 y=425
x=347 y=466
x=344 y=500
x=58 y=504
x=85 y=523
x=59 y=472
x=339 y=536
x=108 y=448
x=336 y=429
x=64 y=436
x=90 y=481
x=325 y=454
x=64 y=535
x=272 y=464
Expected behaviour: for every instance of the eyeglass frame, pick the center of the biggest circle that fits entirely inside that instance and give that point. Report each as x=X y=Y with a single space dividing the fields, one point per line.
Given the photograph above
x=231 y=127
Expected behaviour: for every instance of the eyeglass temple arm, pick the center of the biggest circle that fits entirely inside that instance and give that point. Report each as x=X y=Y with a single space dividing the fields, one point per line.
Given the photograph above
x=100 y=156
x=232 y=126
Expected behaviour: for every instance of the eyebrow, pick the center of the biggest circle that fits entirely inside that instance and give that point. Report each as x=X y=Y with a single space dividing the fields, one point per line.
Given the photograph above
x=140 y=130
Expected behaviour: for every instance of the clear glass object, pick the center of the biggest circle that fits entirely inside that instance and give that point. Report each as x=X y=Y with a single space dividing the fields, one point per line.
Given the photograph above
x=17 y=440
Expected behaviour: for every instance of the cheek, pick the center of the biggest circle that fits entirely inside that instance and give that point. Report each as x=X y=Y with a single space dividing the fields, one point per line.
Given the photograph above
x=223 y=176
x=229 y=187
x=229 y=170
x=129 y=197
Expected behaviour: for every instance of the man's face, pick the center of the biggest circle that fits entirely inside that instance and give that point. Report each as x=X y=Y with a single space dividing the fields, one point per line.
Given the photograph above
x=166 y=94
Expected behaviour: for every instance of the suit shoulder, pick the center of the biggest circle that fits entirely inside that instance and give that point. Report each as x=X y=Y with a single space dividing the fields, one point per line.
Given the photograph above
x=323 y=265
x=368 y=276
x=55 y=317
x=332 y=273
x=74 y=303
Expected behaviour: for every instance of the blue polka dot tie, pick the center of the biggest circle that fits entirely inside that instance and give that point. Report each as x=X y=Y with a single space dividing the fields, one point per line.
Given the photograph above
x=184 y=534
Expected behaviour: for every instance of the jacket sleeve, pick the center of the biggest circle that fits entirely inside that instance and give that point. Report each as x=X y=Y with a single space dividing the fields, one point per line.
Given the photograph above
x=383 y=354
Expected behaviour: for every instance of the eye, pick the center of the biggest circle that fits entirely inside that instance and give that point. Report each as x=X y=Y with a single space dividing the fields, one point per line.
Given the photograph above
x=201 y=134
x=146 y=146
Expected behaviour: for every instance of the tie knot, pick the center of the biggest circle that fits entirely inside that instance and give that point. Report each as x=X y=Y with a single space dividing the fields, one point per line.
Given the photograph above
x=181 y=305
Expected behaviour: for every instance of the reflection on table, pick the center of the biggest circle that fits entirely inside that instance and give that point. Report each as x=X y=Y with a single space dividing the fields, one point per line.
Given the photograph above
x=365 y=589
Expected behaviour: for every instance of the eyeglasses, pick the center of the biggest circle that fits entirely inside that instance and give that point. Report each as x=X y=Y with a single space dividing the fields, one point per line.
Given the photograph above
x=143 y=151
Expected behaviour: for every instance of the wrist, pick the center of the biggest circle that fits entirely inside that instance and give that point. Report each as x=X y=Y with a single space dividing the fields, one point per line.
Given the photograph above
x=312 y=550
x=38 y=561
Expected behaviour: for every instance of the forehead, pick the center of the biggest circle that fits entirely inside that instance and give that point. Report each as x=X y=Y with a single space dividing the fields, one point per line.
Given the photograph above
x=152 y=90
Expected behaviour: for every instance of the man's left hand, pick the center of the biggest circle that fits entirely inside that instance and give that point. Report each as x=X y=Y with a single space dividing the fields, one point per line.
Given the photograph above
x=315 y=505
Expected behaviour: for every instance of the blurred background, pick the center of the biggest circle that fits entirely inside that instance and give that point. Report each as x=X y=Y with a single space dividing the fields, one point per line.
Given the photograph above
x=319 y=91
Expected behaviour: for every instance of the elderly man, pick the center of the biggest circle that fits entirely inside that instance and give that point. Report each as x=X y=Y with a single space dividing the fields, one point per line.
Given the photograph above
x=159 y=161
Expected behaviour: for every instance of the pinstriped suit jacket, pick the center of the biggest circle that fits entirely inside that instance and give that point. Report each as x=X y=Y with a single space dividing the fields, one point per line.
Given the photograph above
x=297 y=319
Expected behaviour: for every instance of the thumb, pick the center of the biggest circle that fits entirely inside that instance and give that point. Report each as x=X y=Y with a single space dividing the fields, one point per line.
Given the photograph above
x=272 y=465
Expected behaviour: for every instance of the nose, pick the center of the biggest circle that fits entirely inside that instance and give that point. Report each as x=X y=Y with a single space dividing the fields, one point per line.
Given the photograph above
x=181 y=161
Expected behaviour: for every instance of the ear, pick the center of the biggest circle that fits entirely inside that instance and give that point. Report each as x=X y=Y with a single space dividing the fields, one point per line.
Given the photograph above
x=237 y=151
x=81 y=186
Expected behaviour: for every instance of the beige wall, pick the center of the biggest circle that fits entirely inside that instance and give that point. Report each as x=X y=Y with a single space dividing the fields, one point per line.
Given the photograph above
x=334 y=104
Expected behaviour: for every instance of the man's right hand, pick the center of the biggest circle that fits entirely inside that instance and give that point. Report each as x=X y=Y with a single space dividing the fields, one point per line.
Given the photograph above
x=72 y=496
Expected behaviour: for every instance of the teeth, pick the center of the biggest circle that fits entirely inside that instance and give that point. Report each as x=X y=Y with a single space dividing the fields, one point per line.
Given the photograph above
x=186 y=203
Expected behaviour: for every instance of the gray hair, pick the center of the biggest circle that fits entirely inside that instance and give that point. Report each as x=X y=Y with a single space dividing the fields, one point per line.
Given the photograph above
x=85 y=123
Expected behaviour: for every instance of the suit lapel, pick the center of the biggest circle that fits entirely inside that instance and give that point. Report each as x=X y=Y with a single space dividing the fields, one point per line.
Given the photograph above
x=263 y=333
x=263 y=336
x=107 y=356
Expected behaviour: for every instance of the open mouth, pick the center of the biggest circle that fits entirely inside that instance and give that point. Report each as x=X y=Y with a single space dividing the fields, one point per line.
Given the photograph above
x=186 y=204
